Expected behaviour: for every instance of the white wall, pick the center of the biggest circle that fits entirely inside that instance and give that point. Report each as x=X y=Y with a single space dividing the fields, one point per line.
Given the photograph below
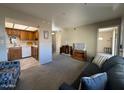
x=45 y=45
x=87 y=34
x=3 y=43
x=58 y=41
x=83 y=34
x=45 y=54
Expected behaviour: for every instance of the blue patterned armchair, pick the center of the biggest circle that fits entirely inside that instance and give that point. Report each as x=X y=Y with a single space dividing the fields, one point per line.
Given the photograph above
x=9 y=74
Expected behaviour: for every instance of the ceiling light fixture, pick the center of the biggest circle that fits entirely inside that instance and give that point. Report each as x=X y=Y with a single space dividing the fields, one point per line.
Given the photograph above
x=8 y=25
x=18 y=26
x=53 y=33
x=31 y=28
x=100 y=38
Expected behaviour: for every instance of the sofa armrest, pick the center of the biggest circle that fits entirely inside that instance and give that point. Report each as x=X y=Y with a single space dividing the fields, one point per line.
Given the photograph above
x=90 y=59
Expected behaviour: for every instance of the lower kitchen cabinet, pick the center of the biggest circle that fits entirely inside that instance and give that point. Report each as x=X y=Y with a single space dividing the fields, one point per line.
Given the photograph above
x=34 y=52
x=14 y=53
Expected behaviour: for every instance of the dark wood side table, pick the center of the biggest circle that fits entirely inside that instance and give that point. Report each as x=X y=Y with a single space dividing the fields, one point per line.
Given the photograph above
x=79 y=55
x=66 y=49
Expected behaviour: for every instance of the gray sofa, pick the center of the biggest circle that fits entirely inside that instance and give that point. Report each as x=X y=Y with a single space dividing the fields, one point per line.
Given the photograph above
x=114 y=67
x=9 y=74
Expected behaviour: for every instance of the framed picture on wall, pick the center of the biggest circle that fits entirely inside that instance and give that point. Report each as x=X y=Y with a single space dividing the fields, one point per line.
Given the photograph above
x=46 y=34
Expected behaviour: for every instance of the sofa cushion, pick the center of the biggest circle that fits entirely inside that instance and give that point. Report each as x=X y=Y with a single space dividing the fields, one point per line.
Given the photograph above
x=116 y=77
x=65 y=86
x=108 y=64
x=100 y=59
x=94 y=82
x=115 y=71
x=88 y=70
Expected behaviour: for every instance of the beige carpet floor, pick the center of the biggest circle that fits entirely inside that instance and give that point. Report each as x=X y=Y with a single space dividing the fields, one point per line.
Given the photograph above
x=35 y=76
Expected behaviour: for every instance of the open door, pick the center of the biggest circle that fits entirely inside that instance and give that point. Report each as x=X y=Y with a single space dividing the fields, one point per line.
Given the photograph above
x=108 y=40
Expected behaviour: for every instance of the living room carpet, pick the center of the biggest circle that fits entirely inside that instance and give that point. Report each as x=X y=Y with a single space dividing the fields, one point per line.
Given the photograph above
x=49 y=76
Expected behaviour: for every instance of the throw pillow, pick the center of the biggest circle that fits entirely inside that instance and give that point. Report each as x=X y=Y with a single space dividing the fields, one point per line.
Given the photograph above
x=94 y=82
x=88 y=70
x=100 y=59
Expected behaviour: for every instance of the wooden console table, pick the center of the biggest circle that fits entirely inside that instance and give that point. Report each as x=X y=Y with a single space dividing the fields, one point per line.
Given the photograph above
x=79 y=55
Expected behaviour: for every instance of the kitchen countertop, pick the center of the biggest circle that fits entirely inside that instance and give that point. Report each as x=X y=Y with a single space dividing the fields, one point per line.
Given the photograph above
x=23 y=46
x=34 y=45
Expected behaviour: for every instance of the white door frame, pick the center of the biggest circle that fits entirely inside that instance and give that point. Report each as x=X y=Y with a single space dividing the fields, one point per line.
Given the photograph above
x=114 y=41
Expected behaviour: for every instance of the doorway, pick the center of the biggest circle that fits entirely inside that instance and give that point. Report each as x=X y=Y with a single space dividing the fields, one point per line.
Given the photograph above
x=53 y=42
x=108 y=40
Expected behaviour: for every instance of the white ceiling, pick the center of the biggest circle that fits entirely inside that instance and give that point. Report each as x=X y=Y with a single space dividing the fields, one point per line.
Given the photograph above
x=70 y=15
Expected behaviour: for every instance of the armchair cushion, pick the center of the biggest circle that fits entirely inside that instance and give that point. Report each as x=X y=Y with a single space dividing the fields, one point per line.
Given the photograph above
x=1 y=65
x=9 y=73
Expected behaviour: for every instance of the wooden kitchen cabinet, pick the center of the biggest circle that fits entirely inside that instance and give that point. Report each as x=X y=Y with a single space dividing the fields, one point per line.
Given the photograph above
x=34 y=52
x=31 y=36
x=8 y=31
x=14 y=53
x=27 y=35
x=22 y=34
x=12 y=32
x=36 y=35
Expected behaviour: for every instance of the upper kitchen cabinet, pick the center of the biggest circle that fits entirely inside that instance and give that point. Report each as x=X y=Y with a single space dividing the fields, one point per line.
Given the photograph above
x=31 y=36
x=12 y=32
x=23 y=35
x=22 y=31
x=27 y=35
x=36 y=35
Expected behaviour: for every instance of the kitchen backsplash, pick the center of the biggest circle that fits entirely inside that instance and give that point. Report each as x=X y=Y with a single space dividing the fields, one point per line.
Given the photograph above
x=22 y=43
